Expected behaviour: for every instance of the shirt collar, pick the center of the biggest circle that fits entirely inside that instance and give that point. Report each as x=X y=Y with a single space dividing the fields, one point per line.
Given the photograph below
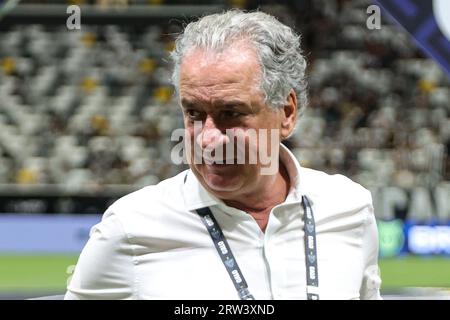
x=196 y=196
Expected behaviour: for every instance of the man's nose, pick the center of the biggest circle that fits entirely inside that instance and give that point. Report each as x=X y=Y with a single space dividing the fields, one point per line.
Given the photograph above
x=211 y=137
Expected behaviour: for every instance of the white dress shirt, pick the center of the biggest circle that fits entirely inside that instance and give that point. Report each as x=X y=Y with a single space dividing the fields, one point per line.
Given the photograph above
x=151 y=244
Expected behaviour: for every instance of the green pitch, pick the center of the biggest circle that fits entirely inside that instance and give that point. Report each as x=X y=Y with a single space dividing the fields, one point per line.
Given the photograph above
x=35 y=273
x=50 y=273
x=415 y=272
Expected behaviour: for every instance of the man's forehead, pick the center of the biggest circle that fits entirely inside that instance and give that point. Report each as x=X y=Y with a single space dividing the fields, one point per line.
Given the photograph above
x=234 y=57
x=218 y=77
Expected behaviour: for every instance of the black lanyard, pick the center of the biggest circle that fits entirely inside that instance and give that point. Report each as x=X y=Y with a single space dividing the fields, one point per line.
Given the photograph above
x=231 y=265
x=309 y=228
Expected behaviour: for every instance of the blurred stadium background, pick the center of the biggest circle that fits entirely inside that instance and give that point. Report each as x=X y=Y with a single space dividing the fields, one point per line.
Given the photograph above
x=86 y=117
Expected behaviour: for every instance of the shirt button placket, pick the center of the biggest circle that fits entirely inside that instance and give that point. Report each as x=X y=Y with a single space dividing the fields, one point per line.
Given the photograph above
x=273 y=259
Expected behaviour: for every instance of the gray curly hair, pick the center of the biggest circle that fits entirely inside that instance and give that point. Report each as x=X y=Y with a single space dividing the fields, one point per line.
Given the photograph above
x=277 y=45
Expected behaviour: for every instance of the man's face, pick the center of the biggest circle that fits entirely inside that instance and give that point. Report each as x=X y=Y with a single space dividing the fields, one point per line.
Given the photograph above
x=221 y=92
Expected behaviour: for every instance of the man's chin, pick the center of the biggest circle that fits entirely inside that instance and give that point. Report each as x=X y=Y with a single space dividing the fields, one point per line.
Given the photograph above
x=222 y=183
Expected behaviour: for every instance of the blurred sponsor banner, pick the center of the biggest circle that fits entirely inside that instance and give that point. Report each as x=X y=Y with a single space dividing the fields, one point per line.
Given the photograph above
x=55 y=204
x=428 y=239
x=428 y=22
x=398 y=238
x=67 y=234
x=30 y=234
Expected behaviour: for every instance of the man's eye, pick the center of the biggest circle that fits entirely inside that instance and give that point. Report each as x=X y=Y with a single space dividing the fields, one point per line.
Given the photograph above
x=193 y=114
x=231 y=114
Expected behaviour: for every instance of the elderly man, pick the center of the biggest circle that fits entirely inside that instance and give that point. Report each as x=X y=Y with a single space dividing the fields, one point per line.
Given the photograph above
x=227 y=229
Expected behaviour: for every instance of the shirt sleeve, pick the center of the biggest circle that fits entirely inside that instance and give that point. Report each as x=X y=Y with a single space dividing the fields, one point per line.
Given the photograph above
x=105 y=268
x=370 y=287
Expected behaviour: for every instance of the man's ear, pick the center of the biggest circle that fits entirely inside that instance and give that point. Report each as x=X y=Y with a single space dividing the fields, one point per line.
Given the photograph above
x=289 y=115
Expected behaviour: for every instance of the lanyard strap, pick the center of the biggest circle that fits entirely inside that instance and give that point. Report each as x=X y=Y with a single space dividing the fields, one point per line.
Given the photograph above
x=312 y=275
x=231 y=265
x=225 y=253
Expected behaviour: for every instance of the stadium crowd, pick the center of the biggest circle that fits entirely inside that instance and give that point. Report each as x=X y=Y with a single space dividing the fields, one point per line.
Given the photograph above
x=95 y=106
